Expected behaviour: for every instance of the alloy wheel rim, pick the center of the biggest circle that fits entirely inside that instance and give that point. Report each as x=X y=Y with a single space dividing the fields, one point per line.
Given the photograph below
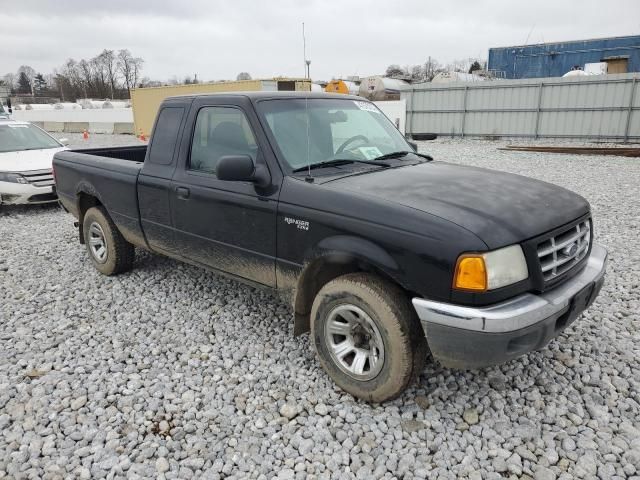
x=354 y=342
x=97 y=243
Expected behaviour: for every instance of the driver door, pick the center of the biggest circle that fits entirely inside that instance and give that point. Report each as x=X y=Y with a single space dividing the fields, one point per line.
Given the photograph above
x=229 y=226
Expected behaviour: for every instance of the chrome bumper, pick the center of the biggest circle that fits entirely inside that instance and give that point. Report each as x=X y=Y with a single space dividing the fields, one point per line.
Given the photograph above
x=539 y=318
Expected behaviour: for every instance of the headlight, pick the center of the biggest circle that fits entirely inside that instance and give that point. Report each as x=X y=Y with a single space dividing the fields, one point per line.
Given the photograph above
x=480 y=272
x=12 y=177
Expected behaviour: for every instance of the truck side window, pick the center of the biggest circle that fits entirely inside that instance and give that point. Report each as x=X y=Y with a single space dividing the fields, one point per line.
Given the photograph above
x=220 y=131
x=165 y=135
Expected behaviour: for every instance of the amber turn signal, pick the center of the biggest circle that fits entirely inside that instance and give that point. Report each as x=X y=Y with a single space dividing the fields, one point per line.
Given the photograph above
x=471 y=273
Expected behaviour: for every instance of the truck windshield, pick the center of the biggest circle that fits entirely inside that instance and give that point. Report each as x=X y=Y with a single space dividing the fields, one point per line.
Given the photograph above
x=16 y=137
x=312 y=131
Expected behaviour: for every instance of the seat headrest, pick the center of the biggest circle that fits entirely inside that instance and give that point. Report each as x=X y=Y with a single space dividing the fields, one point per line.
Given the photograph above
x=231 y=135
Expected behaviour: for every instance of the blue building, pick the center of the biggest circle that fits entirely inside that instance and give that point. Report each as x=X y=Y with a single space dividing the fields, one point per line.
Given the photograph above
x=622 y=55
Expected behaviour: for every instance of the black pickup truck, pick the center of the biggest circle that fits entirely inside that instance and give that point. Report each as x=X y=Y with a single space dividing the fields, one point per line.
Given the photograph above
x=385 y=254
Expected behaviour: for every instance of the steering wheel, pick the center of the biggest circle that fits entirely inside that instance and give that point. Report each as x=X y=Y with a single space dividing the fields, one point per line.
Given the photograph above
x=351 y=140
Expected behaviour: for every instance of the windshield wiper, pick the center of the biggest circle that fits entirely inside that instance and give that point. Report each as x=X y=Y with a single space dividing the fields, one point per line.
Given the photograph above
x=402 y=153
x=336 y=162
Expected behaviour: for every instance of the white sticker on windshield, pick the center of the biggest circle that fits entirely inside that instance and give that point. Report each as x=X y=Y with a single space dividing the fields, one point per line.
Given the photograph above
x=369 y=107
x=17 y=126
x=370 y=152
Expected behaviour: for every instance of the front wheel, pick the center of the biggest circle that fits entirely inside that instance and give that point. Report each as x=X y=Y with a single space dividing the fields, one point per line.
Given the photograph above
x=367 y=336
x=109 y=251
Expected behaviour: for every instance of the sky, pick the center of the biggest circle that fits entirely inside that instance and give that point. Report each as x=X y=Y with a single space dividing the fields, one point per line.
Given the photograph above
x=218 y=39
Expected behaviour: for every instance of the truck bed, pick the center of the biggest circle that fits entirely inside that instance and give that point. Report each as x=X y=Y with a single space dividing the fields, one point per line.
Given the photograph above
x=134 y=153
x=108 y=174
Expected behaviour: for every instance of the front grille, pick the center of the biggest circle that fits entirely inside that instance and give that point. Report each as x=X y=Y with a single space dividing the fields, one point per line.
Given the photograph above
x=564 y=251
x=39 y=178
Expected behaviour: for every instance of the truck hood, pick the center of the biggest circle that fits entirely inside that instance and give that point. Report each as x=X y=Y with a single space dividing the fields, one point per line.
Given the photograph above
x=500 y=208
x=26 y=160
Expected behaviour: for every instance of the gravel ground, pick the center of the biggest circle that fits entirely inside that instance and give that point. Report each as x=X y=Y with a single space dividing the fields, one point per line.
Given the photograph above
x=173 y=372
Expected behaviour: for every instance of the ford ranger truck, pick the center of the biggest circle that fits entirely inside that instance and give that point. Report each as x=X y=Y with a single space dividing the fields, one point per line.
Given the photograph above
x=385 y=254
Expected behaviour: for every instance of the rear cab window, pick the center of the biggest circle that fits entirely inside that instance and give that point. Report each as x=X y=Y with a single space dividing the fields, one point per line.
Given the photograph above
x=165 y=135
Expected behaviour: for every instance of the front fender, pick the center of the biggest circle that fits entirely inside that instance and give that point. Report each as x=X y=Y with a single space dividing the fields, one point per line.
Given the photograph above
x=332 y=257
x=346 y=248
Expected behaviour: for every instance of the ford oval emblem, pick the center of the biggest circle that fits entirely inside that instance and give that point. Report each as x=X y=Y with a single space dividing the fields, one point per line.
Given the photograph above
x=570 y=250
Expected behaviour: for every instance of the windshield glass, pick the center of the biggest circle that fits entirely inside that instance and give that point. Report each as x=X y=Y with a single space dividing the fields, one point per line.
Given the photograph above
x=16 y=137
x=310 y=131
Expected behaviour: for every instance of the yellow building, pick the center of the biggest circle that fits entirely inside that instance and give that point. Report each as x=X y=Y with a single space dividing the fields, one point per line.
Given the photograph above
x=145 y=102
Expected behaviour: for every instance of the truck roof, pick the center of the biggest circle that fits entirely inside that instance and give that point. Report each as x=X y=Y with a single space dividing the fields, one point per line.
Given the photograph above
x=258 y=95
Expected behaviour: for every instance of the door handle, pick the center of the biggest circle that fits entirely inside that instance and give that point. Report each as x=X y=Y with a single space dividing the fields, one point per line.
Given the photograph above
x=182 y=192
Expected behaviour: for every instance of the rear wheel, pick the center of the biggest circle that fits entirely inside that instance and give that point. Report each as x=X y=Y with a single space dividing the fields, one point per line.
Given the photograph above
x=109 y=251
x=367 y=336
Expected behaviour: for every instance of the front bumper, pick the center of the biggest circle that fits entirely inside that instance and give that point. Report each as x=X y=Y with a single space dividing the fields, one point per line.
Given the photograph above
x=22 y=193
x=468 y=337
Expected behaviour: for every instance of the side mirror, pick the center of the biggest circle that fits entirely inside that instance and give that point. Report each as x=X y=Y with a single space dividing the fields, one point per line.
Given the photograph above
x=64 y=141
x=413 y=145
x=240 y=168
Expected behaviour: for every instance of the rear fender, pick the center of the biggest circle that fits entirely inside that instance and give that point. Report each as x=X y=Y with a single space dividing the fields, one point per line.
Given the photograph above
x=86 y=197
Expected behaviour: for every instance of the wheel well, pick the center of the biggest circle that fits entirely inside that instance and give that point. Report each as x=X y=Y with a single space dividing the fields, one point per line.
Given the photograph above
x=316 y=275
x=85 y=202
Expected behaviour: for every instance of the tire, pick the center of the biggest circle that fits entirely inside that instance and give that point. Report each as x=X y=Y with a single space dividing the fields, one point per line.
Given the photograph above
x=116 y=255
x=383 y=317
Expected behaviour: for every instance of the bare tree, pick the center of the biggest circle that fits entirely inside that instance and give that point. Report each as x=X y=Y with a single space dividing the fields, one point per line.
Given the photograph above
x=432 y=68
x=108 y=68
x=74 y=78
x=100 y=75
x=50 y=78
x=136 y=70
x=395 y=71
x=125 y=60
x=417 y=72
x=105 y=75
x=243 y=76
x=89 y=78
x=10 y=80
x=130 y=68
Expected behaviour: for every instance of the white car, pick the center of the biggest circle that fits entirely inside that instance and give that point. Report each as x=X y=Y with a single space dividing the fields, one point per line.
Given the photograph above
x=26 y=153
